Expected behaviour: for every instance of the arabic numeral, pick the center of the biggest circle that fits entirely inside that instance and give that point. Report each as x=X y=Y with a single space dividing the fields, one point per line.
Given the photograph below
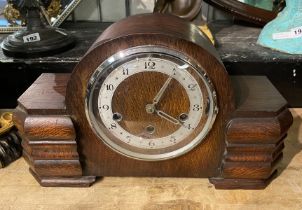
x=128 y=139
x=189 y=127
x=105 y=107
x=150 y=65
x=196 y=107
x=173 y=139
x=113 y=126
x=298 y=31
x=109 y=87
x=192 y=86
x=151 y=144
x=31 y=39
x=125 y=72
x=174 y=71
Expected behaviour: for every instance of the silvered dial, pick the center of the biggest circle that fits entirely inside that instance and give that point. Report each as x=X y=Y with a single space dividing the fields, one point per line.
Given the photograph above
x=150 y=103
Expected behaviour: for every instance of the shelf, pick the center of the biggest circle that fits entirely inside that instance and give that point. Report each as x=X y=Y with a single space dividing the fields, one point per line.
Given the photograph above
x=236 y=45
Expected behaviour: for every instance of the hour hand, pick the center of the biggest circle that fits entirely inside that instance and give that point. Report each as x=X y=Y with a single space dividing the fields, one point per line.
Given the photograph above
x=167 y=117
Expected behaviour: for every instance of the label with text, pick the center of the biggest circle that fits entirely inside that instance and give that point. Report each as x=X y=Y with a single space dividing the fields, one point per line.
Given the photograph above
x=32 y=38
x=292 y=34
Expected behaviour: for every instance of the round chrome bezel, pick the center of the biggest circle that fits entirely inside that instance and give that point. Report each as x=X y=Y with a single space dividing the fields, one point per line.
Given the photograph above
x=149 y=49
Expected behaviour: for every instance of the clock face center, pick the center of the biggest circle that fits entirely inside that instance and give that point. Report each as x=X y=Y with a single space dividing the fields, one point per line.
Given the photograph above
x=150 y=108
x=133 y=99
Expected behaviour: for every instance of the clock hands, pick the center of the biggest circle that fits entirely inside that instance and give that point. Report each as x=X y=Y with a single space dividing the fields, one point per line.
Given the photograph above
x=167 y=117
x=161 y=91
x=150 y=108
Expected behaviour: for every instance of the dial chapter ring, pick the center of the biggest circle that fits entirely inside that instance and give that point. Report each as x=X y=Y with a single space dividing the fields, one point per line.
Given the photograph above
x=111 y=63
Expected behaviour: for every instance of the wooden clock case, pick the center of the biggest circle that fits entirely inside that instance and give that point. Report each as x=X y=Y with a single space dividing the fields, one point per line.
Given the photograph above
x=241 y=150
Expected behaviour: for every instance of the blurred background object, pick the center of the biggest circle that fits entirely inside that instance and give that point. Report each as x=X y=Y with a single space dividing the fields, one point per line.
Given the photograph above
x=258 y=12
x=285 y=32
x=10 y=142
x=53 y=11
x=187 y=9
x=37 y=39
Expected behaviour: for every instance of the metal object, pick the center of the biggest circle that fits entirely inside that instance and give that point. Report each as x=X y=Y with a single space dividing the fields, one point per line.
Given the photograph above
x=10 y=142
x=6 y=122
x=37 y=39
x=132 y=54
x=188 y=10
x=12 y=15
x=54 y=11
x=66 y=9
x=10 y=148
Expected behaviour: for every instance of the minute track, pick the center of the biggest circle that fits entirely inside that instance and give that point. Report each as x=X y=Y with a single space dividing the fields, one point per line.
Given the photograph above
x=152 y=92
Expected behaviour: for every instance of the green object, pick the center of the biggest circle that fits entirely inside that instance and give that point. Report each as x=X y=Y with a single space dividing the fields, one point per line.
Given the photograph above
x=285 y=32
x=263 y=4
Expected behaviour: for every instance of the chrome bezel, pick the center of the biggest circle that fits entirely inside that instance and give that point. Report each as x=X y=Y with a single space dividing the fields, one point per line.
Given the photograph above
x=149 y=49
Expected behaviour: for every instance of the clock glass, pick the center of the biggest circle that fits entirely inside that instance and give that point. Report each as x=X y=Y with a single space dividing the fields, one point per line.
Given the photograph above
x=150 y=103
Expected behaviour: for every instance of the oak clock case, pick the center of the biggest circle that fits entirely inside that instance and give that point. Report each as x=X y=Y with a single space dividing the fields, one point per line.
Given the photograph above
x=151 y=98
x=145 y=40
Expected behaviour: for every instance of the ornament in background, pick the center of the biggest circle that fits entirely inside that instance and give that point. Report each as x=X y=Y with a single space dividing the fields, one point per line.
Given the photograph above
x=285 y=32
x=10 y=142
x=188 y=10
x=37 y=39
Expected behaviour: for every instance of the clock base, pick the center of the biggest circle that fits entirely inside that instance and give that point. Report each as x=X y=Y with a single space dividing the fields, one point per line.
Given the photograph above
x=253 y=184
x=81 y=181
x=253 y=144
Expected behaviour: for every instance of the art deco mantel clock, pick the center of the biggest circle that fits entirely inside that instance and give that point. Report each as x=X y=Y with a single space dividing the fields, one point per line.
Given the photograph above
x=152 y=98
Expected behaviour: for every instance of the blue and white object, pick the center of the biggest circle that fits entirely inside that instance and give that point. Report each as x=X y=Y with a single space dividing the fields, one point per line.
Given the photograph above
x=284 y=33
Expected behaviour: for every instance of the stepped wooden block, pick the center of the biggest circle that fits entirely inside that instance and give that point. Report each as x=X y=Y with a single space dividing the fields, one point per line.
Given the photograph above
x=253 y=144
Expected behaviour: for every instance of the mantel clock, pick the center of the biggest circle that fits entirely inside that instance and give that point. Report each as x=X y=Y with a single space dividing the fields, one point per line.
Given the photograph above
x=152 y=98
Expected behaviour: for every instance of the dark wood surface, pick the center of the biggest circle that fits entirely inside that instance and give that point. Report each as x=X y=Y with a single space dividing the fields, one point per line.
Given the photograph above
x=235 y=127
x=140 y=30
x=243 y=86
x=253 y=150
x=245 y=11
x=45 y=101
x=253 y=157
x=81 y=181
x=245 y=100
x=43 y=138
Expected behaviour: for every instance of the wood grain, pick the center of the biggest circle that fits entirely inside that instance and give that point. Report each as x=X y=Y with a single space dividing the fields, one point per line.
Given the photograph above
x=81 y=181
x=50 y=149
x=244 y=157
x=19 y=189
x=250 y=123
x=164 y=31
x=39 y=128
x=259 y=130
x=45 y=97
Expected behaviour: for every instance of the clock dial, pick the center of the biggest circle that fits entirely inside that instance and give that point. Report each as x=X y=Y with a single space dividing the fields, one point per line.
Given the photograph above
x=150 y=103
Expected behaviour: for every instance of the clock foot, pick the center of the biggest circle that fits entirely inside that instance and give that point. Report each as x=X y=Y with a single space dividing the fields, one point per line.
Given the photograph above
x=81 y=181
x=52 y=153
x=252 y=184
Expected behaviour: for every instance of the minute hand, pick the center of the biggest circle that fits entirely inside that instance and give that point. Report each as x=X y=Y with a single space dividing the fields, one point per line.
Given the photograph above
x=161 y=91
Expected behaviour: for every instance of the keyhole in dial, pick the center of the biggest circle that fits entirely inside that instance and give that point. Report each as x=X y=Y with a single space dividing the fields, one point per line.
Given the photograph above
x=117 y=117
x=183 y=117
x=150 y=129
